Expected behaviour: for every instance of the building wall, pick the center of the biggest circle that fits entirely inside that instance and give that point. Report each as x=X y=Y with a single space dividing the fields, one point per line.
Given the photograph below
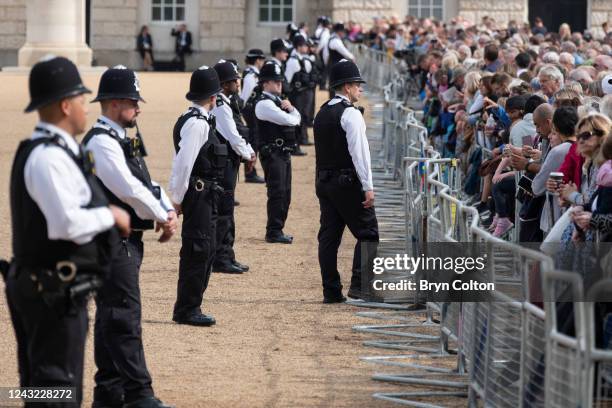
x=113 y=32
x=601 y=11
x=12 y=30
x=226 y=28
x=501 y=11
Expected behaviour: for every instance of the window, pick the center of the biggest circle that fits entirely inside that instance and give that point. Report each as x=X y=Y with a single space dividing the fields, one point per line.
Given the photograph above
x=168 y=10
x=426 y=8
x=275 y=11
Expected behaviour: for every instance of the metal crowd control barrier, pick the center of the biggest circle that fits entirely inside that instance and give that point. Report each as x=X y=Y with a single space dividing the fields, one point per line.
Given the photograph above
x=508 y=351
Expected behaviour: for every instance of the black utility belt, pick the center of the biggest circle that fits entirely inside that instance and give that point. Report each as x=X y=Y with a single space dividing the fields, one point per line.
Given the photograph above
x=278 y=144
x=64 y=280
x=201 y=184
x=343 y=176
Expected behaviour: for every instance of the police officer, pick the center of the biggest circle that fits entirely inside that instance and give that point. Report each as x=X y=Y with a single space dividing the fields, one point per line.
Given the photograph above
x=238 y=149
x=276 y=122
x=316 y=74
x=335 y=50
x=122 y=376
x=197 y=169
x=63 y=235
x=299 y=75
x=343 y=180
x=249 y=92
x=280 y=49
x=322 y=34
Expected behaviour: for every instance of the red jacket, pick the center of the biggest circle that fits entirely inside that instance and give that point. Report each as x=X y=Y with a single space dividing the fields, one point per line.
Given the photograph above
x=572 y=166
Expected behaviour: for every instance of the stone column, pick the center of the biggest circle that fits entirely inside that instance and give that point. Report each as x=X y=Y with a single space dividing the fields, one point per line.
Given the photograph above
x=55 y=27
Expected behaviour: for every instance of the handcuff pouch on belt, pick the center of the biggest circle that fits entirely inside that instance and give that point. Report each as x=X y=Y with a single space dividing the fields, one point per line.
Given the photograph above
x=200 y=185
x=62 y=287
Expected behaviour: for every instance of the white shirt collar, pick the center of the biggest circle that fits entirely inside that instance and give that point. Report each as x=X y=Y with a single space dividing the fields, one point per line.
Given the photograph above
x=118 y=128
x=275 y=97
x=70 y=141
x=224 y=97
x=277 y=61
x=202 y=110
x=337 y=98
x=254 y=68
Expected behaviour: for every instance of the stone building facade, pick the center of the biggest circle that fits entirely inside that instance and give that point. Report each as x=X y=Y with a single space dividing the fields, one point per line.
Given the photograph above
x=229 y=27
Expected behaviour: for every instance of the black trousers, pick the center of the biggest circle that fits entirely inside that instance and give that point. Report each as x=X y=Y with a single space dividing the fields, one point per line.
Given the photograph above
x=277 y=172
x=503 y=194
x=50 y=344
x=197 y=250
x=226 y=227
x=118 y=350
x=324 y=73
x=180 y=59
x=303 y=101
x=341 y=206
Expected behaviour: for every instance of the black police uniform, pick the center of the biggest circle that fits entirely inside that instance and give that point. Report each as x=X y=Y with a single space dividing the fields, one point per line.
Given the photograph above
x=340 y=193
x=199 y=207
x=47 y=302
x=335 y=56
x=122 y=375
x=276 y=143
x=301 y=93
x=225 y=258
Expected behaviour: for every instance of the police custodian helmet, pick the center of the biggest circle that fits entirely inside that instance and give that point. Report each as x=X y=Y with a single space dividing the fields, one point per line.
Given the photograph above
x=277 y=45
x=344 y=71
x=271 y=71
x=118 y=82
x=226 y=71
x=52 y=80
x=204 y=83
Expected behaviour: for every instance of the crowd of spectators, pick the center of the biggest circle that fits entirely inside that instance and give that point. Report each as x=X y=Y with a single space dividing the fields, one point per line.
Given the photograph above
x=515 y=104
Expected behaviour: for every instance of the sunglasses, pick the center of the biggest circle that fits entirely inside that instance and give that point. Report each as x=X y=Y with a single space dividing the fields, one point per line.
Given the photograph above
x=585 y=136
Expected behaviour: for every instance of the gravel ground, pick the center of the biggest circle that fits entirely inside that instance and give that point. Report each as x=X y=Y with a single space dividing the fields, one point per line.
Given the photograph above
x=275 y=343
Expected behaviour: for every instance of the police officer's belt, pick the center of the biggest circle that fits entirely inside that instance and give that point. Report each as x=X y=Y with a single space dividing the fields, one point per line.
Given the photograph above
x=63 y=280
x=200 y=184
x=327 y=173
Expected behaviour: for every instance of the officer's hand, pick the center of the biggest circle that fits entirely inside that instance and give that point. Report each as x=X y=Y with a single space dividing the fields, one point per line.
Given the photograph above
x=251 y=163
x=286 y=105
x=177 y=208
x=369 y=199
x=122 y=220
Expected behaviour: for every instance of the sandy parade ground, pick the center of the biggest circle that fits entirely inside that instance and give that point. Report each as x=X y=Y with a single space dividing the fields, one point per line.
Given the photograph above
x=275 y=344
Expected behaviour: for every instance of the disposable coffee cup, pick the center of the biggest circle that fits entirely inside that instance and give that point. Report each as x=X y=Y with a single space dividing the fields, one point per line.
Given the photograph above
x=557 y=177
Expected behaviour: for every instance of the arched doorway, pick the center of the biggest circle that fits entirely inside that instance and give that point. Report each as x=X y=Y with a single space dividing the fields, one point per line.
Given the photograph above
x=556 y=12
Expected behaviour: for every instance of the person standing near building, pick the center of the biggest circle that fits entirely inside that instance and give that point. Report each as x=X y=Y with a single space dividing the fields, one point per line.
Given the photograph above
x=182 y=45
x=197 y=169
x=343 y=181
x=276 y=123
x=298 y=74
x=144 y=45
x=249 y=92
x=122 y=376
x=63 y=235
x=238 y=149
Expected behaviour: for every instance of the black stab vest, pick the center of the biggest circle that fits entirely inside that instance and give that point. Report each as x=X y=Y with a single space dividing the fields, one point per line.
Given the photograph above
x=212 y=157
x=331 y=146
x=302 y=80
x=269 y=133
x=32 y=247
x=334 y=56
x=132 y=152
